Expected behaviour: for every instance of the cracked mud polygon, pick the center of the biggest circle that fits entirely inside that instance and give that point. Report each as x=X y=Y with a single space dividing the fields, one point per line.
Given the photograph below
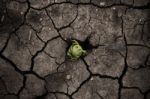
x=35 y=35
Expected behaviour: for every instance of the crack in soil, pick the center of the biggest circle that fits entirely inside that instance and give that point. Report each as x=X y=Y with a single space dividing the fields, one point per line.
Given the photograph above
x=86 y=46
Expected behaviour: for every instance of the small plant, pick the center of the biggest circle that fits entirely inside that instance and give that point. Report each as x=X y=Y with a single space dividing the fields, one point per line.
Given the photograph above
x=75 y=51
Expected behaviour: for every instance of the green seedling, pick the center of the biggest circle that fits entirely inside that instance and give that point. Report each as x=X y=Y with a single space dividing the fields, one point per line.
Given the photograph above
x=75 y=51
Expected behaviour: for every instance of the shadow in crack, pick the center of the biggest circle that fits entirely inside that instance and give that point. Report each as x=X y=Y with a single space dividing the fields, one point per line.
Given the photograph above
x=85 y=45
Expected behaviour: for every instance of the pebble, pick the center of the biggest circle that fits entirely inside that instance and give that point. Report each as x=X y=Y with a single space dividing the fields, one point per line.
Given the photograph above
x=141 y=20
x=102 y=3
x=68 y=77
x=113 y=8
x=92 y=78
x=21 y=13
x=30 y=33
x=2 y=18
x=41 y=19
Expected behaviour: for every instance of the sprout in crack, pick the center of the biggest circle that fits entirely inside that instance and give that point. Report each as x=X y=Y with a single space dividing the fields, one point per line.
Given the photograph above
x=75 y=51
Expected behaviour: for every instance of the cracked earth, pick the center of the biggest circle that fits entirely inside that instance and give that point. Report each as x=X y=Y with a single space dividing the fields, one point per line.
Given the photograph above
x=35 y=35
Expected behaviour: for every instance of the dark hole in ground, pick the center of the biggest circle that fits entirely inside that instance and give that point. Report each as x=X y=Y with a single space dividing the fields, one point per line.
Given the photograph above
x=84 y=44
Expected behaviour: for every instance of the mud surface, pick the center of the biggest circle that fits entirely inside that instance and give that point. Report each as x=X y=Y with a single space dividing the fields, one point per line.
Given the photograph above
x=34 y=37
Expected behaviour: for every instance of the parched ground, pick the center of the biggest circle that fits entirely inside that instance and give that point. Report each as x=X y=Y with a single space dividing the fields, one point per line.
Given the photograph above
x=35 y=35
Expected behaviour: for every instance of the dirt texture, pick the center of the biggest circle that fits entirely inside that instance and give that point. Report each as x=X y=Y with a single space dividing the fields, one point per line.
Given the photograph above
x=35 y=36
